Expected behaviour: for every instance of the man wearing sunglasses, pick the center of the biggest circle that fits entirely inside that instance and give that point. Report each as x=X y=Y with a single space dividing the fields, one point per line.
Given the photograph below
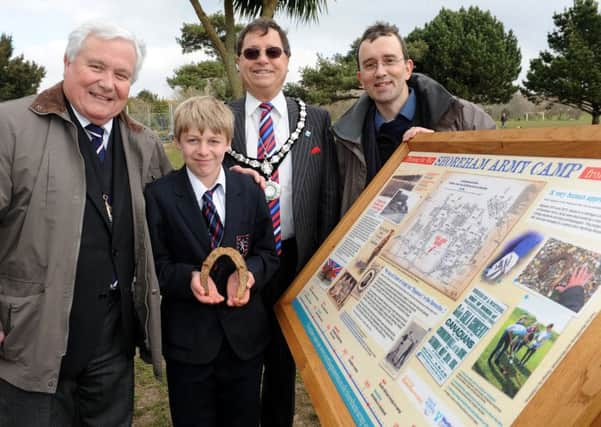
x=397 y=105
x=290 y=145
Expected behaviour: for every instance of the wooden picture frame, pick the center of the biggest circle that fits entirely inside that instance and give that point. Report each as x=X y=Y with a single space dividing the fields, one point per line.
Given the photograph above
x=571 y=395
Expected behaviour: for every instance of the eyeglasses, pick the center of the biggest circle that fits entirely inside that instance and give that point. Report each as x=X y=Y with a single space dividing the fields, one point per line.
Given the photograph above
x=253 y=53
x=372 y=66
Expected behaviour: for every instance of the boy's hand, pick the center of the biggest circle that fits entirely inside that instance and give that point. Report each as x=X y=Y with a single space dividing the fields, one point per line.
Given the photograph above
x=212 y=297
x=253 y=174
x=232 y=290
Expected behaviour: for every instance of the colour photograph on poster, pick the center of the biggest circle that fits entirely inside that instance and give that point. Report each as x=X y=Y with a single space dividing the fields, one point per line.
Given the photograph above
x=521 y=343
x=565 y=273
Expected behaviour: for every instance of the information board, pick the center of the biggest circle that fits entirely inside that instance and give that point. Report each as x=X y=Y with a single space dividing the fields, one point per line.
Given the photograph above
x=456 y=285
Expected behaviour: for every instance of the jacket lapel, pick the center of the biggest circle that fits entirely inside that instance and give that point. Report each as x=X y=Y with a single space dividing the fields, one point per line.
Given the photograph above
x=239 y=141
x=233 y=208
x=300 y=150
x=120 y=180
x=189 y=209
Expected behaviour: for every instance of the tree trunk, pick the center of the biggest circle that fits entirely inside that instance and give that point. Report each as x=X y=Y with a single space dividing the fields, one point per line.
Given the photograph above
x=230 y=48
x=234 y=78
x=596 y=114
x=268 y=9
x=227 y=50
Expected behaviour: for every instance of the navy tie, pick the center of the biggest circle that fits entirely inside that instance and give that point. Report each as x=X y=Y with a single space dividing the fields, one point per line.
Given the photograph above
x=96 y=133
x=213 y=222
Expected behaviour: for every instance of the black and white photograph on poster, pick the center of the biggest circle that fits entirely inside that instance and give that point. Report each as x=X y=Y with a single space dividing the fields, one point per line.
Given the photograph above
x=341 y=289
x=403 y=348
x=397 y=207
x=565 y=273
x=397 y=182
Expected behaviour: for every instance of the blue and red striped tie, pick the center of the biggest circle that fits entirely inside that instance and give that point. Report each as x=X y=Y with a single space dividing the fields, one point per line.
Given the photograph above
x=213 y=222
x=265 y=148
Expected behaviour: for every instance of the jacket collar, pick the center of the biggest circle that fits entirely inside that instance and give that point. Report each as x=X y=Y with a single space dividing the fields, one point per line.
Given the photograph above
x=53 y=101
x=191 y=211
x=349 y=127
x=432 y=98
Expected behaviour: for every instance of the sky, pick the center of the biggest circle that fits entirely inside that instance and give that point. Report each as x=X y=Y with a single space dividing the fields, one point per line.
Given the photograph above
x=39 y=29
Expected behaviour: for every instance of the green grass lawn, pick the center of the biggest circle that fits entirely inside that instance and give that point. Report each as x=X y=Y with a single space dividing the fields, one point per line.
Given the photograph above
x=585 y=119
x=174 y=155
x=151 y=408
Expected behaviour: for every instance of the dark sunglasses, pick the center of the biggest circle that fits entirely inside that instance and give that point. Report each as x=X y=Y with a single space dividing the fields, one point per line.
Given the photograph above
x=253 y=53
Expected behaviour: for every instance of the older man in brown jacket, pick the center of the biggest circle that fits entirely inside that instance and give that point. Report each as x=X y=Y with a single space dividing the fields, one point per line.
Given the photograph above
x=77 y=281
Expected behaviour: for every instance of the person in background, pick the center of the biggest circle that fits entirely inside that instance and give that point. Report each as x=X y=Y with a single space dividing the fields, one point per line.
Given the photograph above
x=511 y=333
x=503 y=119
x=539 y=339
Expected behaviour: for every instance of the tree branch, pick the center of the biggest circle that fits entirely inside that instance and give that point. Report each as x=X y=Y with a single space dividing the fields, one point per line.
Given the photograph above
x=206 y=23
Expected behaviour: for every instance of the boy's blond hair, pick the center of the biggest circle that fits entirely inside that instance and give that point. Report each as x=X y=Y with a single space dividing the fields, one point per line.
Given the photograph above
x=204 y=112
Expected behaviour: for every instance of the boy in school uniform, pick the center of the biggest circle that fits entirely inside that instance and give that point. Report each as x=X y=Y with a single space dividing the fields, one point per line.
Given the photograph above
x=213 y=342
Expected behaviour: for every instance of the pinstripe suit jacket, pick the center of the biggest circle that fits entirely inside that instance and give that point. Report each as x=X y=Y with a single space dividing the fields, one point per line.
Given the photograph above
x=316 y=201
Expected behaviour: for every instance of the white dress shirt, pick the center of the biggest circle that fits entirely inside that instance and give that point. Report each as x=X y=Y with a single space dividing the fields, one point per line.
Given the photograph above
x=218 y=195
x=108 y=127
x=279 y=116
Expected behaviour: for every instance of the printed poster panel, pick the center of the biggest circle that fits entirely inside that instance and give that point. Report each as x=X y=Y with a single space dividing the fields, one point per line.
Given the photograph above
x=459 y=288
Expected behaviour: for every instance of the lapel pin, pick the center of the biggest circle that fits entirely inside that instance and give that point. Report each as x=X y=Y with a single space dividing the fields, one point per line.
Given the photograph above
x=307 y=133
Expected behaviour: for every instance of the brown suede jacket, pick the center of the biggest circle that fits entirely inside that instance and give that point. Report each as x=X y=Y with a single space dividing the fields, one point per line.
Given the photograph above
x=42 y=200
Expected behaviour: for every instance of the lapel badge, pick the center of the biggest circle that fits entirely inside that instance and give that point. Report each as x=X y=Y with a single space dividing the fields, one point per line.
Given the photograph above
x=243 y=244
x=307 y=133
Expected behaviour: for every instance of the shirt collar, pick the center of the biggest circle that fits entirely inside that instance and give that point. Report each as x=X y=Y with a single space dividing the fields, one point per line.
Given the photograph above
x=199 y=188
x=252 y=104
x=83 y=121
x=407 y=110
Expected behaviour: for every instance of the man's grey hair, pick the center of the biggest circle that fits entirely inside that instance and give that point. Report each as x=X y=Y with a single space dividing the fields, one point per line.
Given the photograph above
x=105 y=31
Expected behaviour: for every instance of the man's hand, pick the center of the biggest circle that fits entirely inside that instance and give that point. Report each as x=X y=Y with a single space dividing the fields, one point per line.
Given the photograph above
x=232 y=290
x=253 y=173
x=412 y=131
x=578 y=278
x=1 y=337
x=212 y=297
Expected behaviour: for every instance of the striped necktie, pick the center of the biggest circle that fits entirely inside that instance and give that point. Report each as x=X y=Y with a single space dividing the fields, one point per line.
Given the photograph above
x=96 y=133
x=265 y=148
x=213 y=222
